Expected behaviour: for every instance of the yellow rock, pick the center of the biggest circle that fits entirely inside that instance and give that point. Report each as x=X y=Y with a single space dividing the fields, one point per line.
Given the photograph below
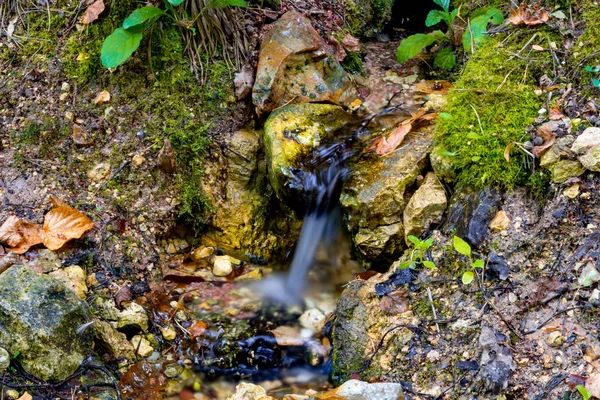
x=501 y=222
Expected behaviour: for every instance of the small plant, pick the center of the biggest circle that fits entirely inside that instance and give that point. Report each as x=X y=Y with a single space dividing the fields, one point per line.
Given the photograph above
x=594 y=70
x=418 y=253
x=121 y=44
x=463 y=248
x=473 y=36
x=583 y=392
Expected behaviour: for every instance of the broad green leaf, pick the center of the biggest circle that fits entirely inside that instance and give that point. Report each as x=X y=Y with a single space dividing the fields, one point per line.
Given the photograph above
x=453 y=15
x=435 y=17
x=428 y=243
x=141 y=15
x=468 y=277
x=405 y=264
x=445 y=4
x=588 y=68
x=448 y=153
x=226 y=3
x=444 y=115
x=596 y=82
x=475 y=33
x=428 y=264
x=415 y=240
x=118 y=47
x=475 y=158
x=559 y=14
x=445 y=59
x=175 y=2
x=584 y=392
x=477 y=263
x=462 y=247
x=473 y=135
x=414 y=44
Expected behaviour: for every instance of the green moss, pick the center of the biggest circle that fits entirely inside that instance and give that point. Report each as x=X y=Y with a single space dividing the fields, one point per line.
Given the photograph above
x=585 y=49
x=367 y=17
x=489 y=107
x=40 y=38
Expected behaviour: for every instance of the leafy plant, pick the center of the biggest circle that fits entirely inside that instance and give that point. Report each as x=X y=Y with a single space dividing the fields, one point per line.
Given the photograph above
x=583 y=392
x=594 y=70
x=445 y=58
x=464 y=248
x=417 y=256
x=121 y=44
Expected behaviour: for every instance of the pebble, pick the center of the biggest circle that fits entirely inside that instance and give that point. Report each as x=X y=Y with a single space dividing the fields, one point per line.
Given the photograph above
x=69 y=115
x=63 y=96
x=555 y=339
x=169 y=333
x=4 y=359
x=312 y=319
x=65 y=87
x=222 y=266
x=572 y=191
x=138 y=160
x=202 y=252
x=134 y=317
x=142 y=345
x=433 y=355
x=100 y=172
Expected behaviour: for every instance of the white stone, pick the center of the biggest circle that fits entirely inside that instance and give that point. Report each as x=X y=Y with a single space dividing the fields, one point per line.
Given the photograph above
x=589 y=139
x=222 y=266
x=358 y=390
x=312 y=319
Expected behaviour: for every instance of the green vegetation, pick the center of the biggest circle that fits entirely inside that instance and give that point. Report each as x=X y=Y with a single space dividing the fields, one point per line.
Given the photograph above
x=594 y=70
x=585 y=49
x=585 y=394
x=464 y=248
x=489 y=107
x=417 y=255
x=367 y=17
x=472 y=37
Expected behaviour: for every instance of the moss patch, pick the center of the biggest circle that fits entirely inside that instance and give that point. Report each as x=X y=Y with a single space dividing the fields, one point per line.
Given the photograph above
x=367 y=17
x=585 y=49
x=489 y=107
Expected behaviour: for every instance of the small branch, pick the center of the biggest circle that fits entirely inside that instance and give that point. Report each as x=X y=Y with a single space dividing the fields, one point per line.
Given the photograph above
x=437 y=326
x=478 y=119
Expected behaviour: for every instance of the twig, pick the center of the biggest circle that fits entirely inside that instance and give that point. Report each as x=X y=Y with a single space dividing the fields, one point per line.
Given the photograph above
x=437 y=326
x=540 y=326
x=478 y=120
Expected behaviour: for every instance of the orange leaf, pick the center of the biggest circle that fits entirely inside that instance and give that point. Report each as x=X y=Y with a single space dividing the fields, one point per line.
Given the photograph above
x=20 y=235
x=386 y=146
x=197 y=328
x=62 y=224
x=93 y=12
x=528 y=15
x=555 y=114
x=507 y=151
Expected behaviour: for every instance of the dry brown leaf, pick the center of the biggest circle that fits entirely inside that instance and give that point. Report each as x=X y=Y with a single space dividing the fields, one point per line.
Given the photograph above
x=555 y=114
x=545 y=132
x=592 y=384
x=62 y=224
x=433 y=87
x=528 y=15
x=20 y=235
x=383 y=146
x=197 y=328
x=166 y=157
x=395 y=302
x=25 y=396
x=93 y=12
x=103 y=97
x=81 y=137
x=507 y=151
x=287 y=336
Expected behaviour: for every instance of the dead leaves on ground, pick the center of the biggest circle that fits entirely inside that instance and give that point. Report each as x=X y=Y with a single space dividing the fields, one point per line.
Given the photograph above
x=545 y=132
x=384 y=146
x=61 y=224
x=529 y=15
x=93 y=12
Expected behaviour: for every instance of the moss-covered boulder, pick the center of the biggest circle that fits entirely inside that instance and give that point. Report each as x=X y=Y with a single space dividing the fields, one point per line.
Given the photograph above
x=39 y=316
x=292 y=132
x=296 y=66
x=368 y=17
x=375 y=196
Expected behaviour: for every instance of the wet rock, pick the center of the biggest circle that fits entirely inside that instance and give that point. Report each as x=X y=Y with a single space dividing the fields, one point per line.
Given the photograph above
x=74 y=278
x=425 y=207
x=133 y=319
x=376 y=195
x=291 y=133
x=470 y=214
x=248 y=391
x=496 y=362
x=142 y=346
x=38 y=319
x=497 y=267
x=295 y=65
x=202 y=252
x=312 y=319
x=115 y=342
x=358 y=390
x=222 y=266
x=100 y=172
x=566 y=169
x=4 y=359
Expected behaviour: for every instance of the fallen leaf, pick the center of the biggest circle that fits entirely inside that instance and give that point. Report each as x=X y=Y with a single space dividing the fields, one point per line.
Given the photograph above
x=166 y=157
x=383 y=145
x=395 y=302
x=592 y=384
x=507 y=151
x=62 y=224
x=555 y=114
x=103 y=97
x=81 y=137
x=545 y=132
x=287 y=336
x=537 y=47
x=93 y=12
x=433 y=87
x=197 y=328
x=20 y=235
x=123 y=295
x=351 y=43
x=528 y=15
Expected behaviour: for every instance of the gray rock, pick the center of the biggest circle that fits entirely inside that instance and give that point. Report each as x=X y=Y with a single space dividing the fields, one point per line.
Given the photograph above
x=591 y=159
x=470 y=214
x=38 y=320
x=359 y=390
x=589 y=139
x=496 y=362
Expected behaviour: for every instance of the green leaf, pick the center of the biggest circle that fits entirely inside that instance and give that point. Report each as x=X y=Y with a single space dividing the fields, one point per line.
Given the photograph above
x=405 y=264
x=468 y=277
x=473 y=135
x=435 y=17
x=596 y=82
x=448 y=153
x=414 y=44
x=428 y=264
x=226 y=3
x=475 y=33
x=445 y=115
x=475 y=158
x=141 y=15
x=462 y=247
x=589 y=69
x=445 y=59
x=175 y=2
x=415 y=240
x=445 y=4
x=584 y=392
x=428 y=243
x=559 y=14
x=477 y=263
x=453 y=15
x=118 y=47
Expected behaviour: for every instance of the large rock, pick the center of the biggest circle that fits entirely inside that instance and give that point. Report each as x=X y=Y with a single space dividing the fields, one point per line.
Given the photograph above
x=587 y=147
x=291 y=133
x=235 y=182
x=470 y=213
x=425 y=207
x=359 y=390
x=296 y=66
x=375 y=196
x=39 y=316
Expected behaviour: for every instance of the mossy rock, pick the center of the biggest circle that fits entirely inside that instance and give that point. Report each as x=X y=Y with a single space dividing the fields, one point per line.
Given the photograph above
x=366 y=18
x=39 y=316
x=292 y=133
